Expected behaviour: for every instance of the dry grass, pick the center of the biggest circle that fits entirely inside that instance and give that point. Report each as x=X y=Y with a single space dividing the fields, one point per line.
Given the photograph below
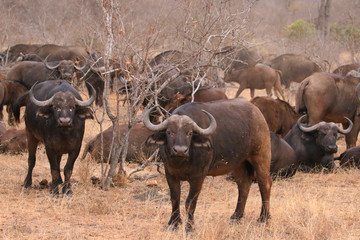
x=307 y=206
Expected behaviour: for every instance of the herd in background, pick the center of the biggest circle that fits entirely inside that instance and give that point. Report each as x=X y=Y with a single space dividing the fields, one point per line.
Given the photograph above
x=213 y=136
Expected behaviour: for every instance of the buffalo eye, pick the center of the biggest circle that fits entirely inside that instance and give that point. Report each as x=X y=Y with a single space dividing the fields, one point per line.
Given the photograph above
x=169 y=132
x=189 y=134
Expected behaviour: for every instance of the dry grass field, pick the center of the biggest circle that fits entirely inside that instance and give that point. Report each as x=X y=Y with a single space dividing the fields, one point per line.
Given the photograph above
x=307 y=206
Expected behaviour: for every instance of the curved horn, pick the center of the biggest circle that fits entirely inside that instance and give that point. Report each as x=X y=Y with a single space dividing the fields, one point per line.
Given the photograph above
x=37 y=102
x=150 y=125
x=346 y=131
x=212 y=127
x=90 y=100
x=48 y=66
x=306 y=129
x=82 y=67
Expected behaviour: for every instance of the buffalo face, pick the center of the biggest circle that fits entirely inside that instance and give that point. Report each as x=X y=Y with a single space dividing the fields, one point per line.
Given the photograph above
x=179 y=133
x=66 y=68
x=63 y=107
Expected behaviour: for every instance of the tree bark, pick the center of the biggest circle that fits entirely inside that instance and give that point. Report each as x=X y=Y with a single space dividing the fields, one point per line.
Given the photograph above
x=323 y=19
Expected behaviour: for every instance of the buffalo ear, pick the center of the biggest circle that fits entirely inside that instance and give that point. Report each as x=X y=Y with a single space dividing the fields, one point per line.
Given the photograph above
x=44 y=112
x=157 y=138
x=84 y=113
x=201 y=141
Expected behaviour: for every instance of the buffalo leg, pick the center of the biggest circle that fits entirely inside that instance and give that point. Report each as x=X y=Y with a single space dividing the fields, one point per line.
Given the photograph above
x=352 y=136
x=68 y=169
x=32 y=146
x=268 y=92
x=54 y=160
x=191 y=200
x=175 y=191
x=264 y=182
x=239 y=91
x=278 y=89
x=242 y=177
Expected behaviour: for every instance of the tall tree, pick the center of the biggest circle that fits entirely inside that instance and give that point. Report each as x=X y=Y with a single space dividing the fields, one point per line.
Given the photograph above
x=323 y=18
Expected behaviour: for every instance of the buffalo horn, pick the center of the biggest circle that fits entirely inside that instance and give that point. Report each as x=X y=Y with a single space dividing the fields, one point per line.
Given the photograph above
x=346 y=131
x=306 y=129
x=150 y=125
x=89 y=101
x=212 y=127
x=37 y=102
x=49 y=66
x=82 y=67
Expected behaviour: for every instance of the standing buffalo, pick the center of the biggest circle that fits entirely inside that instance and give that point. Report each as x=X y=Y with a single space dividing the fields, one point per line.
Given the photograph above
x=136 y=149
x=211 y=139
x=279 y=115
x=344 y=69
x=9 y=92
x=201 y=95
x=315 y=145
x=294 y=68
x=28 y=73
x=330 y=97
x=55 y=115
x=258 y=77
x=57 y=53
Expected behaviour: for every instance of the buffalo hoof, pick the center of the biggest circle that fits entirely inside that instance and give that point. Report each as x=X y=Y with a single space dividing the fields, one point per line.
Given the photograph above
x=235 y=218
x=173 y=225
x=264 y=218
x=189 y=227
x=67 y=192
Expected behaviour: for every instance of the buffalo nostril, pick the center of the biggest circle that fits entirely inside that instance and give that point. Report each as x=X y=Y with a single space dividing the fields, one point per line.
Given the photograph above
x=65 y=121
x=180 y=150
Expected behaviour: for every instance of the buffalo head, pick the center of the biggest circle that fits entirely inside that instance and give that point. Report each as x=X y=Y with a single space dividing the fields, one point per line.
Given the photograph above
x=66 y=68
x=325 y=134
x=63 y=107
x=178 y=133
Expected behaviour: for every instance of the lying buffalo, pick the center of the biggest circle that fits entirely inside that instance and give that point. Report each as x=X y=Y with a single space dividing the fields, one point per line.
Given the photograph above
x=350 y=158
x=315 y=145
x=211 y=139
x=344 y=69
x=55 y=115
x=136 y=150
x=259 y=76
x=13 y=141
x=14 y=52
x=330 y=97
x=283 y=158
x=279 y=115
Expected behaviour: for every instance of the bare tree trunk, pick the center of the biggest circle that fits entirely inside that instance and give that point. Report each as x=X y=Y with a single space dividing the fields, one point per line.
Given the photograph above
x=323 y=19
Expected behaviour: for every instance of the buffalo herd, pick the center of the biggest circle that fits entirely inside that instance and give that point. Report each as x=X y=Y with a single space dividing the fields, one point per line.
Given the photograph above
x=203 y=133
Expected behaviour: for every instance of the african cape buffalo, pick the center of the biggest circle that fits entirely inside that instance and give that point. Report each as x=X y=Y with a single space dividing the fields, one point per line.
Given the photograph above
x=329 y=97
x=350 y=158
x=315 y=145
x=54 y=115
x=344 y=69
x=259 y=76
x=211 y=139
x=136 y=149
x=9 y=92
x=57 y=53
x=13 y=141
x=279 y=115
x=14 y=52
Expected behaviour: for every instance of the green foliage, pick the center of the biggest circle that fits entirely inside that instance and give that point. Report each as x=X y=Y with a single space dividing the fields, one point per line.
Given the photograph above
x=300 y=29
x=345 y=33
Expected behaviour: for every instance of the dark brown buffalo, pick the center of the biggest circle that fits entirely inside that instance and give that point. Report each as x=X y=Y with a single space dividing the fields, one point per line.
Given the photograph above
x=13 y=141
x=259 y=76
x=283 y=158
x=279 y=115
x=136 y=149
x=294 y=68
x=201 y=95
x=57 y=53
x=329 y=97
x=315 y=145
x=350 y=158
x=16 y=51
x=211 y=139
x=54 y=115
x=344 y=69
x=28 y=72
x=9 y=92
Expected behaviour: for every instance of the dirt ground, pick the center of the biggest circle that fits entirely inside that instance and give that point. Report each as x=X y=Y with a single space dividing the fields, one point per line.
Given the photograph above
x=307 y=206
